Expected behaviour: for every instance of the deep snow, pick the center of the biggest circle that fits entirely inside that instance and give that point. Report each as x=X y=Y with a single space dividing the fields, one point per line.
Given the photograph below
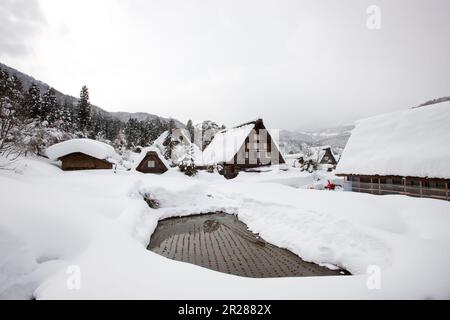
x=97 y=221
x=412 y=143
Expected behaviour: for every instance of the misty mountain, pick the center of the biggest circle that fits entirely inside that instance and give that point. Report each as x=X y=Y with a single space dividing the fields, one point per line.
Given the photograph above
x=125 y=116
x=294 y=141
x=73 y=101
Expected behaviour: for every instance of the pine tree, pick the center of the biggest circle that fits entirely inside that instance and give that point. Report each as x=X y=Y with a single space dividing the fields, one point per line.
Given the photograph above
x=171 y=125
x=4 y=76
x=66 y=116
x=32 y=101
x=132 y=133
x=49 y=107
x=16 y=89
x=84 y=110
x=190 y=129
x=10 y=124
x=187 y=165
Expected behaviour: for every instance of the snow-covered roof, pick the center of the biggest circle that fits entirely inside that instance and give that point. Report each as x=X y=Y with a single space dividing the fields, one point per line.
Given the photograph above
x=312 y=153
x=90 y=147
x=143 y=154
x=226 y=144
x=180 y=150
x=414 y=142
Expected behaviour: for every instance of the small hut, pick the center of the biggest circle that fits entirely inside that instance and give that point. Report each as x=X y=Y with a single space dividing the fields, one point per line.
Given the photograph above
x=151 y=161
x=326 y=156
x=82 y=154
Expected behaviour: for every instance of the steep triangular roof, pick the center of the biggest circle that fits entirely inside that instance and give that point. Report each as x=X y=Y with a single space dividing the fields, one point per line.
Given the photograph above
x=144 y=153
x=226 y=143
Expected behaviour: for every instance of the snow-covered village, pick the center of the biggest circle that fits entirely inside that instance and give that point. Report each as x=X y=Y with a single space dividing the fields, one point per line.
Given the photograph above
x=236 y=187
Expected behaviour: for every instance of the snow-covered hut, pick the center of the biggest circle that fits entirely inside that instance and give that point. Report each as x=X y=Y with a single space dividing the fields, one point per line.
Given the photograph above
x=248 y=145
x=326 y=156
x=151 y=160
x=82 y=154
x=405 y=152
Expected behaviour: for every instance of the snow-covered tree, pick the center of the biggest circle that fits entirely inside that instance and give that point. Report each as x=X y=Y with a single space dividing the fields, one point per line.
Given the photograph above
x=187 y=164
x=205 y=132
x=10 y=123
x=190 y=128
x=84 y=110
x=133 y=133
x=49 y=107
x=32 y=102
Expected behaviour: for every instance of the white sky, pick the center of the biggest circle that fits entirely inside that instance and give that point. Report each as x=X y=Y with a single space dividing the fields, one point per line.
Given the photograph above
x=298 y=64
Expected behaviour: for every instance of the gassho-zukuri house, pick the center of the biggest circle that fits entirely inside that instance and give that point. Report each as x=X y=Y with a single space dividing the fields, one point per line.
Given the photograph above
x=151 y=160
x=246 y=146
x=406 y=152
x=82 y=154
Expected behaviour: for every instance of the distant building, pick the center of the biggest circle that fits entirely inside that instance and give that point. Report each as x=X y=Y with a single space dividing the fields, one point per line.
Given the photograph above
x=405 y=152
x=321 y=157
x=246 y=146
x=82 y=154
x=151 y=161
x=176 y=145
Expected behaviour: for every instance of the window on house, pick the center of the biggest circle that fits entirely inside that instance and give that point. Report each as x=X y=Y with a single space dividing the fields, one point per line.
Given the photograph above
x=413 y=182
x=435 y=184
x=151 y=164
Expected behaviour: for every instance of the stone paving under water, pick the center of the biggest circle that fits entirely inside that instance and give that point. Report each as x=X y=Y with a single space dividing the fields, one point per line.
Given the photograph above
x=221 y=242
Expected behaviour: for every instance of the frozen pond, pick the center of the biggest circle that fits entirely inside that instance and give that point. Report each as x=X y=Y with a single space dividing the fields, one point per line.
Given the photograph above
x=221 y=242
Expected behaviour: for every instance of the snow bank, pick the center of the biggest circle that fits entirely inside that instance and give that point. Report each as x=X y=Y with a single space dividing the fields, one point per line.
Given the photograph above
x=98 y=222
x=412 y=142
x=90 y=147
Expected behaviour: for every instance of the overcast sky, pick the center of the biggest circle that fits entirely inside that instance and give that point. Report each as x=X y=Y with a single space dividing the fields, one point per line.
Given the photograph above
x=298 y=64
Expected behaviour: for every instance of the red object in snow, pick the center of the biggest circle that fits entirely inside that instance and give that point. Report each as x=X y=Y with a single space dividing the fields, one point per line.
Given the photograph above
x=330 y=186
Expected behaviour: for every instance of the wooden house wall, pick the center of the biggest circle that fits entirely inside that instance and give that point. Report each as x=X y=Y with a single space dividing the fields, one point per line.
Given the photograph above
x=81 y=161
x=159 y=168
x=411 y=186
x=258 y=152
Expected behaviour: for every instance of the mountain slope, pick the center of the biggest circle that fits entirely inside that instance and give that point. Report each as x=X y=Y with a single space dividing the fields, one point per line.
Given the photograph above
x=122 y=116
x=293 y=141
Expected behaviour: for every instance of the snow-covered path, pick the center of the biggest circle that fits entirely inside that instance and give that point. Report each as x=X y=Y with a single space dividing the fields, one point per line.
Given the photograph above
x=98 y=223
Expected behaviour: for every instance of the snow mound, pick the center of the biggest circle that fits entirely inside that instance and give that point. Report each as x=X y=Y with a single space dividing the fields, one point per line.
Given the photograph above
x=412 y=142
x=90 y=147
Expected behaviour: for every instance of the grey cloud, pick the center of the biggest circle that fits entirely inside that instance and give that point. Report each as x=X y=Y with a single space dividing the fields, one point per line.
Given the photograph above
x=21 y=21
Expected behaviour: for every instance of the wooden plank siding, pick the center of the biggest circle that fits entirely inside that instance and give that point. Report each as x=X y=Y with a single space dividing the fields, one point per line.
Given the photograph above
x=411 y=186
x=256 y=151
x=81 y=161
